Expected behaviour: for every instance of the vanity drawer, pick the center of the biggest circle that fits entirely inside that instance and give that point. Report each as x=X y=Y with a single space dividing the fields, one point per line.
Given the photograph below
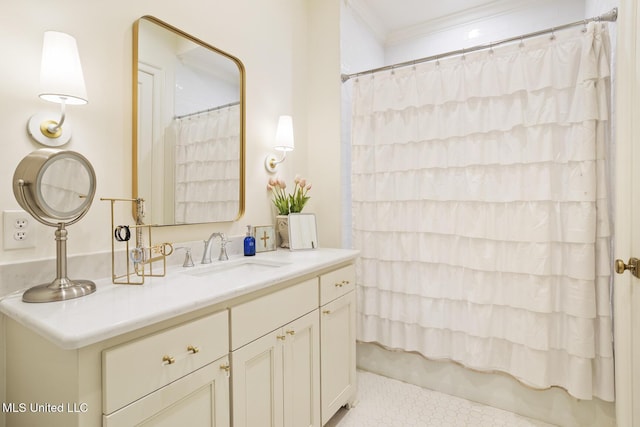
x=337 y=283
x=137 y=368
x=262 y=315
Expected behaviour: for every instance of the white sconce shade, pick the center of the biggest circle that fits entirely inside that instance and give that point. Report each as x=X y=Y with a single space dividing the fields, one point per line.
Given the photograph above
x=61 y=78
x=284 y=134
x=283 y=142
x=62 y=82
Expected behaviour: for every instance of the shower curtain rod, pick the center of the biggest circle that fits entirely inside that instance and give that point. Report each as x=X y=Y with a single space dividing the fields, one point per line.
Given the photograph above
x=610 y=16
x=231 y=104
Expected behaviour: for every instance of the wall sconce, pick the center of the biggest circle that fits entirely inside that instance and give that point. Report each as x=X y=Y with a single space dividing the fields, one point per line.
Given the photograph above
x=283 y=142
x=62 y=82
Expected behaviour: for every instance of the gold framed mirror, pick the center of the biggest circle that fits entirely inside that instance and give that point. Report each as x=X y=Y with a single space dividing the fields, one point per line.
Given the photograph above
x=188 y=127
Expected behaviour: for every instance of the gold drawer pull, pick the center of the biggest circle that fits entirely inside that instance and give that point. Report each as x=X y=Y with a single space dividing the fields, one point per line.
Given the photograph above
x=168 y=359
x=193 y=349
x=291 y=332
x=326 y=311
x=281 y=337
x=341 y=284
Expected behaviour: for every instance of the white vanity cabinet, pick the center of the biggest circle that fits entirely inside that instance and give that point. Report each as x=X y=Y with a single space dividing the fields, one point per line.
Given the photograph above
x=122 y=381
x=275 y=349
x=338 y=340
x=171 y=377
x=276 y=375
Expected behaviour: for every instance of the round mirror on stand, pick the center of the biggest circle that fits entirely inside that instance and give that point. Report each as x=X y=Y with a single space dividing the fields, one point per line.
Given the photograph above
x=56 y=187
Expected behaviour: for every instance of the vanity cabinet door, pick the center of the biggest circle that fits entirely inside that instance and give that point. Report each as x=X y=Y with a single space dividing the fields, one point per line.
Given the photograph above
x=257 y=382
x=200 y=399
x=276 y=378
x=338 y=355
x=302 y=372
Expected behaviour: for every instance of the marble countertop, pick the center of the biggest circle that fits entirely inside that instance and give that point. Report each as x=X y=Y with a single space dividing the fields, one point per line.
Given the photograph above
x=117 y=309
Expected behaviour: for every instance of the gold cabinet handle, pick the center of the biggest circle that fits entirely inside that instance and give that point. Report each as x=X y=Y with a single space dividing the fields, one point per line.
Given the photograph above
x=225 y=367
x=326 y=311
x=341 y=284
x=193 y=349
x=281 y=337
x=291 y=332
x=168 y=359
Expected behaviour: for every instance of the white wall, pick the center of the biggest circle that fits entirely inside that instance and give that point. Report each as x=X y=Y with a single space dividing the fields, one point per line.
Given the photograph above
x=269 y=36
x=322 y=98
x=359 y=48
x=597 y=7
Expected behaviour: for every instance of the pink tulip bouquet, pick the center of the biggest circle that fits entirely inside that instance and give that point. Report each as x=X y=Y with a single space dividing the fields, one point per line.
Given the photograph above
x=289 y=203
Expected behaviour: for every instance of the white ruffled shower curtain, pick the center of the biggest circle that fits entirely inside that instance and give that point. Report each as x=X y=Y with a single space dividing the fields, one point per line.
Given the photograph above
x=480 y=208
x=207 y=171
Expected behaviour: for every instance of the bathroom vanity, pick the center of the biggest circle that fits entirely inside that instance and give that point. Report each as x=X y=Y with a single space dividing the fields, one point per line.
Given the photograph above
x=265 y=340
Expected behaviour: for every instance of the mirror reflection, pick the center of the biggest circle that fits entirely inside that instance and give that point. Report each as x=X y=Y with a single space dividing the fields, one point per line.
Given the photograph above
x=64 y=185
x=189 y=136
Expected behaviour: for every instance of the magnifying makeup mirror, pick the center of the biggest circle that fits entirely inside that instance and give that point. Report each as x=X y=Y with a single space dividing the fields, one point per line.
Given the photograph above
x=56 y=187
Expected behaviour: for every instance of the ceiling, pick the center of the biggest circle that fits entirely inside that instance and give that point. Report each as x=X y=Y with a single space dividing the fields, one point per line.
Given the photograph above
x=391 y=20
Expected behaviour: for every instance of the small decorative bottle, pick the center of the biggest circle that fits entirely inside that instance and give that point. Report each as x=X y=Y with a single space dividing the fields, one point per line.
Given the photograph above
x=249 y=243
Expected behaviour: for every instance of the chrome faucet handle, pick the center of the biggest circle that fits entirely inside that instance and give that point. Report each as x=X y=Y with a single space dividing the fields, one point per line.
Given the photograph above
x=223 y=248
x=188 y=260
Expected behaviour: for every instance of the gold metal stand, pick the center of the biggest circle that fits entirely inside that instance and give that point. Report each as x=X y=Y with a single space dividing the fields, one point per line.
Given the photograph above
x=141 y=258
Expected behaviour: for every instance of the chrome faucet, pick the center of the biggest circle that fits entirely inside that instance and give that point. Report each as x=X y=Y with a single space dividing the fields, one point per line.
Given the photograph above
x=206 y=256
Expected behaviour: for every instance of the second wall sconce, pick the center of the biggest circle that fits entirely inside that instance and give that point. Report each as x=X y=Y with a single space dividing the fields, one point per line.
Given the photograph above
x=62 y=82
x=283 y=142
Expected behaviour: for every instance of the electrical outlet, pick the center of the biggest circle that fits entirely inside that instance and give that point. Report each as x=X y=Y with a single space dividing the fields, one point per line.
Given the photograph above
x=17 y=230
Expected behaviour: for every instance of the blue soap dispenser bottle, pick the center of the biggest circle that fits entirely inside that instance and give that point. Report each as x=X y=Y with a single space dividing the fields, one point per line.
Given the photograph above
x=249 y=243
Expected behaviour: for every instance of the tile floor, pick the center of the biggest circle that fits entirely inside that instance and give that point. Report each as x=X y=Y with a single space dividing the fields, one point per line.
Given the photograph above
x=385 y=402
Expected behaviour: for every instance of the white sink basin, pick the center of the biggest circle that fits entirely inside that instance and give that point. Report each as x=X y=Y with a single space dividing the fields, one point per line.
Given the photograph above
x=234 y=268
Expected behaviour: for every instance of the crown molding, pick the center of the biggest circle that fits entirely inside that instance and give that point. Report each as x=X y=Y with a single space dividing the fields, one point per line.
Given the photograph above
x=364 y=13
x=388 y=37
x=464 y=17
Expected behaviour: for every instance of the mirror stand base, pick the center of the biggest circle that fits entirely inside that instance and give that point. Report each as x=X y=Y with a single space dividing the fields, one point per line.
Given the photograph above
x=59 y=290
